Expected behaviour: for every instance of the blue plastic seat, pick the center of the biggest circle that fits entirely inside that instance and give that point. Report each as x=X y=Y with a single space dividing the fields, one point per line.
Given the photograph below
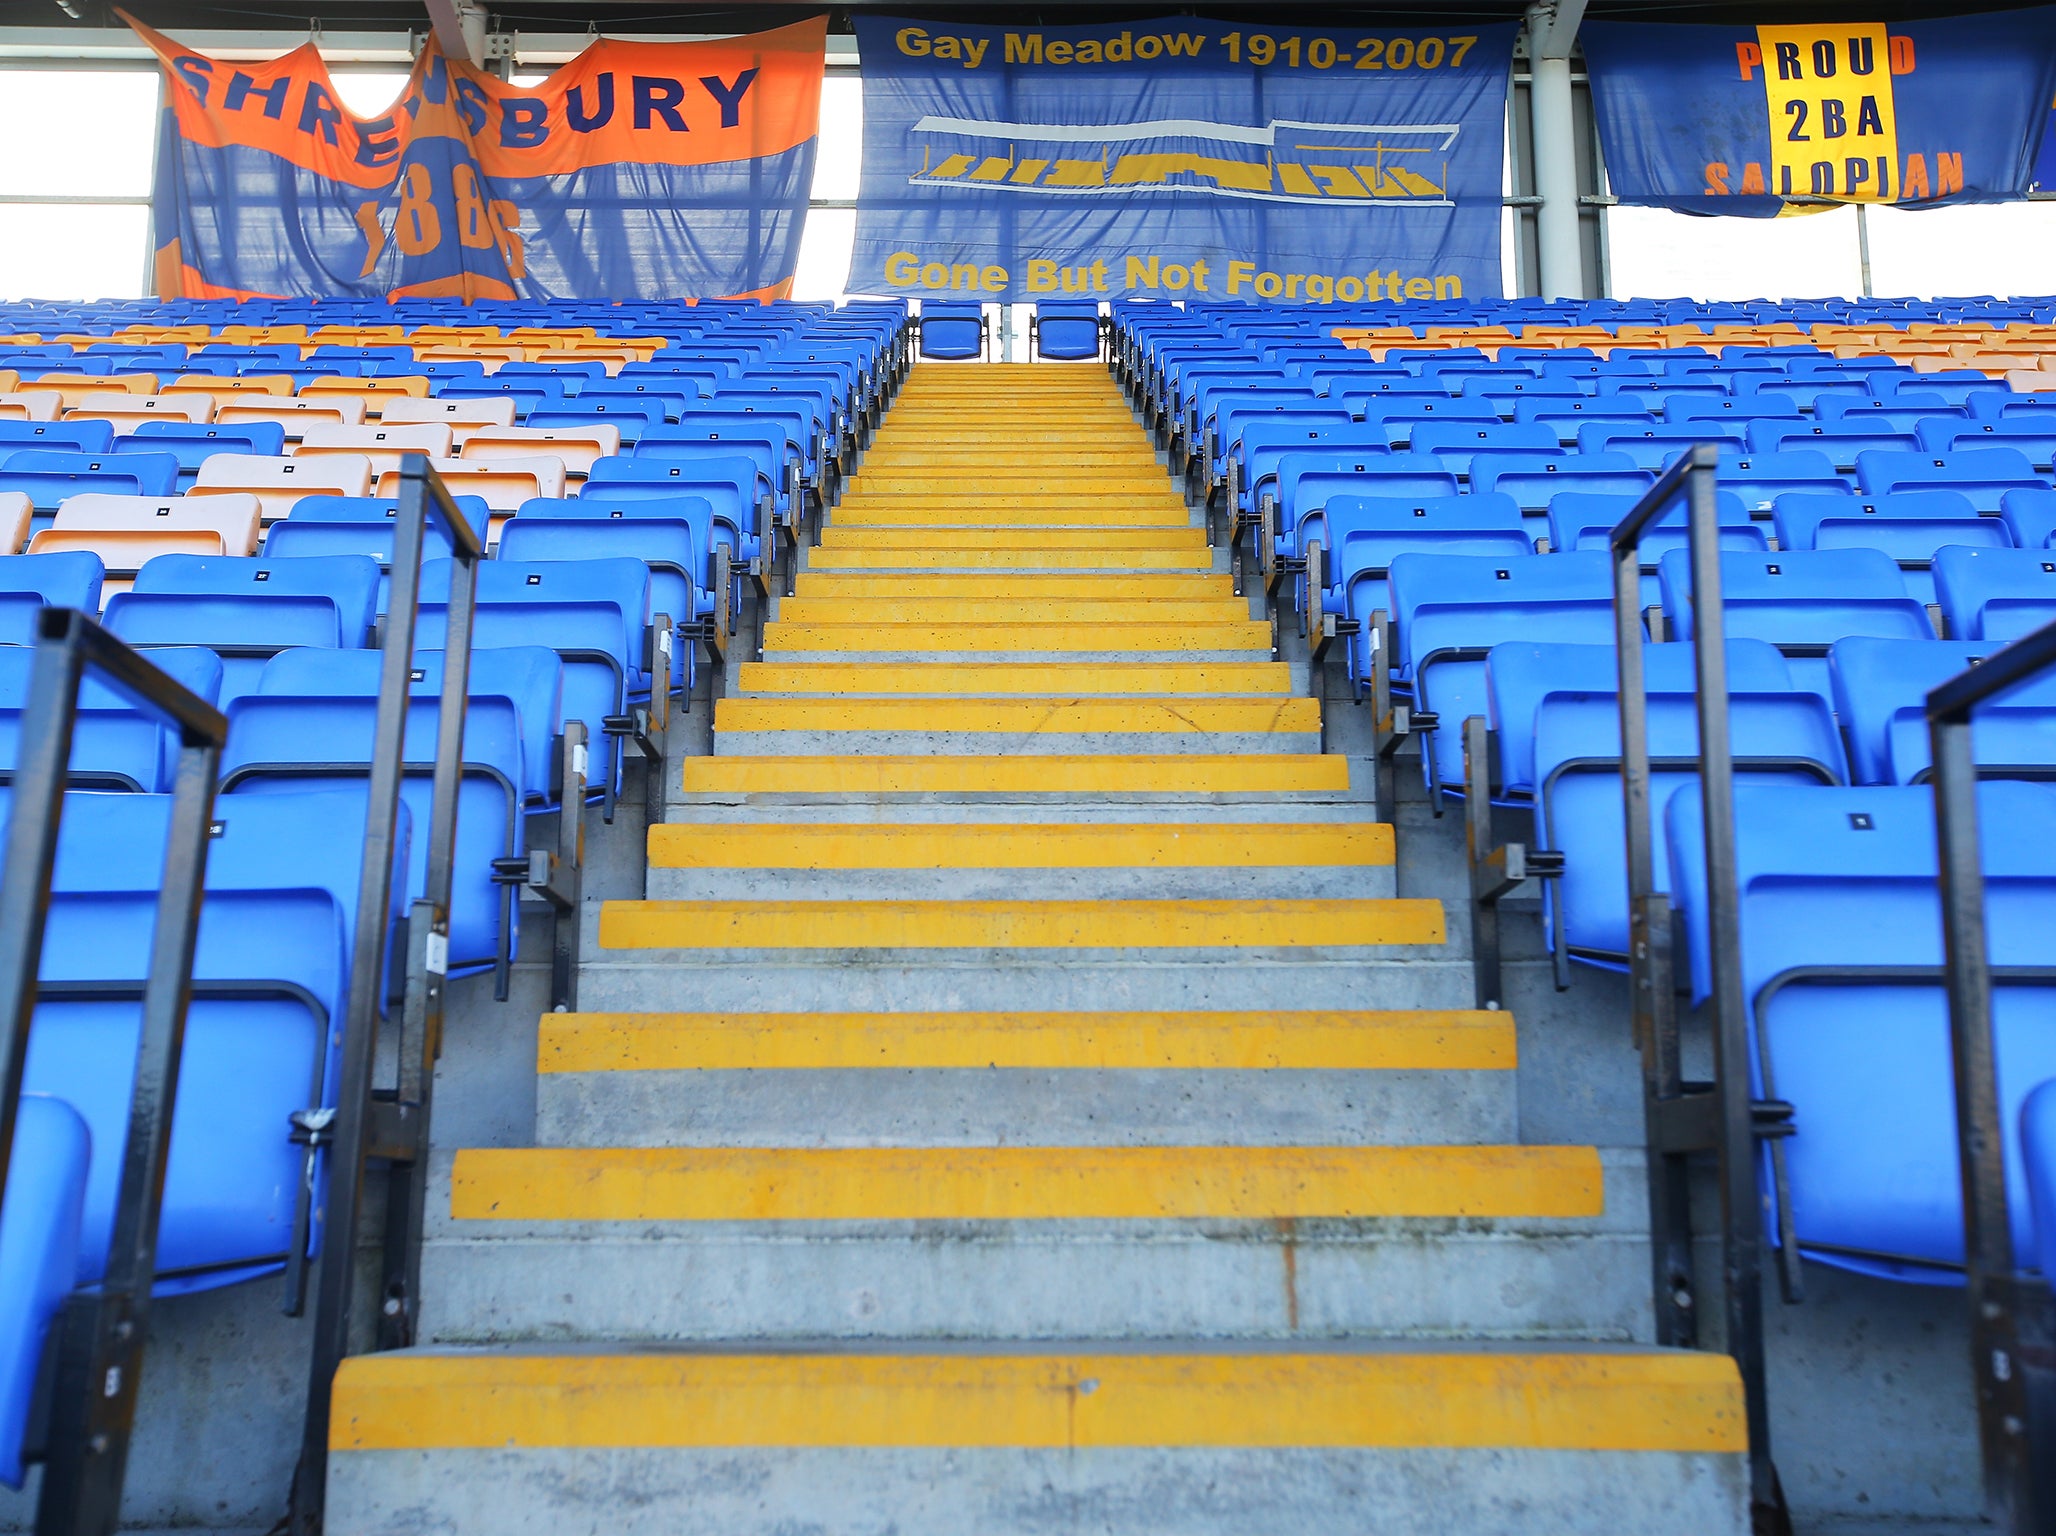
x=2038 y=1155
x=952 y=330
x=193 y=443
x=1982 y=474
x=1586 y=520
x=115 y=745
x=247 y=610
x=311 y=723
x=47 y=477
x=730 y=485
x=1838 y=907
x=2033 y=436
x=1881 y=688
x=1365 y=533
x=1802 y=601
x=1902 y=413
x=676 y=464
x=1907 y=525
x=31 y=583
x=593 y=613
x=381 y=510
x=1456 y=442
x=1533 y=486
x=2029 y=516
x=40 y=1214
x=89 y=436
x=1653 y=447
x=1556 y=712
x=1994 y=594
x=1841 y=441
x=1760 y=478
x=1066 y=330
x=1262 y=441
x=271 y=978
x=671 y=540
x=1450 y=610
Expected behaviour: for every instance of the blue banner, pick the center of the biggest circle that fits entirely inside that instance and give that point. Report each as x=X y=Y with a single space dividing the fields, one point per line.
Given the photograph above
x=1181 y=159
x=1739 y=119
x=636 y=170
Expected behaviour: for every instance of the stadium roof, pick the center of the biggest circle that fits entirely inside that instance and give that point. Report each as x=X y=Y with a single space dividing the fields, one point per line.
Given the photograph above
x=650 y=17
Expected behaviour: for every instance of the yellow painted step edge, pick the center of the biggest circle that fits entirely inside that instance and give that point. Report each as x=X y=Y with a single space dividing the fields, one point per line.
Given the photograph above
x=1184 y=924
x=997 y=678
x=1172 y=773
x=1635 y=1399
x=830 y=639
x=1390 y=1399
x=1176 y=716
x=1432 y=1040
x=1027 y=845
x=1191 y=1183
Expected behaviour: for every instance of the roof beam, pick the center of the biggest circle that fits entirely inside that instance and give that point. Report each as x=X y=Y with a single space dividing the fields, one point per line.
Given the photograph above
x=460 y=27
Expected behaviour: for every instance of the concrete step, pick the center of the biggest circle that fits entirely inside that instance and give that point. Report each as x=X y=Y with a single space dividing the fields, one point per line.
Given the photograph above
x=1210 y=926
x=1013 y=586
x=1065 y=726
x=928 y=860
x=965 y=534
x=1201 y=1182
x=1047 y=845
x=1576 y=1270
x=1247 y=774
x=885 y=1079
x=1191 y=1439
x=1293 y=978
x=1053 y=558
x=850 y=679
x=921 y=607
x=971 y=490
x=995 y=511
x=952 y=642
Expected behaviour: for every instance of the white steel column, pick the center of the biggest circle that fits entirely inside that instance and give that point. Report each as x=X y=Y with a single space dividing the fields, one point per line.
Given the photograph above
x=1552 y=29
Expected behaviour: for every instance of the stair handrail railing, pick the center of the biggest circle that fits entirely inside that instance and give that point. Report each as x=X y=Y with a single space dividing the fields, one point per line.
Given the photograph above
x=392 y=1125
x=100 y=1335
x=2012 y=1313
x=1681 y=1118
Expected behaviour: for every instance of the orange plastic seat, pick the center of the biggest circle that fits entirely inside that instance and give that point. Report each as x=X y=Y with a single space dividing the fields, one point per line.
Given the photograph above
x=490 y=411
x=384 y=444
x=16 y=509
x=292 y=412
x=237 y=520
x=125 y=410
x=33 y=405
x=504 y=483
x=71 y=388
x=577 y=447
x=238 y=384
x=278 y=483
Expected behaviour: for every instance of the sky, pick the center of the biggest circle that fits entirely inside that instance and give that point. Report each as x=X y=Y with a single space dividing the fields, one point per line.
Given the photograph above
x=100 y=251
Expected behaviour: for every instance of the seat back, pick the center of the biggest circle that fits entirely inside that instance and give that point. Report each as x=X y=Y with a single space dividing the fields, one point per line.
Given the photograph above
x=1880 y=691
x=1837 y=886
x=1994 y=594
x=49 y=477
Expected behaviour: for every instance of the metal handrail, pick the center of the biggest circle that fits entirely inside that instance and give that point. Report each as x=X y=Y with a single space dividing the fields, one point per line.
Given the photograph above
x=2012 y=1317
x=392 y=1126
x=100 y=1350
x=1682 y=1119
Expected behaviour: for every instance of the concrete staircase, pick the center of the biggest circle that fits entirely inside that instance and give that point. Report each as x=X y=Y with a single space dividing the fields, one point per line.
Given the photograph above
x=1024 y=1104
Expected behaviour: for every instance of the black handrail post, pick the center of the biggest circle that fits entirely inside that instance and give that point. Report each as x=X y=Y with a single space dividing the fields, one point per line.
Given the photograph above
x=102 y=1332
x=1682 y=1118
x=367 y=1124
x=2020 y=1487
